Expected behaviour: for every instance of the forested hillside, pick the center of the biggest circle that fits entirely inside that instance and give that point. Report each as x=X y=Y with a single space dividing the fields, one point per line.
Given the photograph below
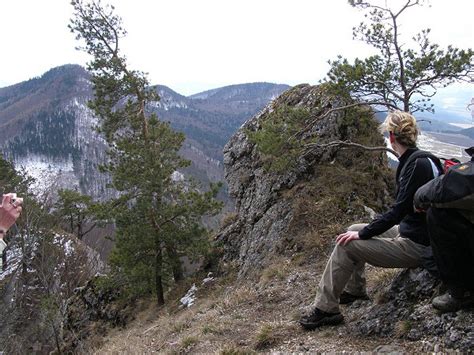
x=47 y=127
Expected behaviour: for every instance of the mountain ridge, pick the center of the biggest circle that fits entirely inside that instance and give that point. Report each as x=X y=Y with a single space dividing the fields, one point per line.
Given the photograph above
x=47 y=117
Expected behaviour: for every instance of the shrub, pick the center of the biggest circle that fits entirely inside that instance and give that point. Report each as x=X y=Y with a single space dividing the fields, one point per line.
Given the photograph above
x=276 y=139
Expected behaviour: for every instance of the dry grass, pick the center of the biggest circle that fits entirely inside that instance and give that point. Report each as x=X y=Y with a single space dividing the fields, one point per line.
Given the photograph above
x=209 y=329
x=236 y=297
x=327 y=205
x=187 y=342
x=378 y=281
x=270 y=334
x=179 y=327
x=265 y=337
x=402 y=328
x=278 y=271
x=228 y=219
x=312 y=240
x=235 y=319
x=381 y=277
x=234 y=350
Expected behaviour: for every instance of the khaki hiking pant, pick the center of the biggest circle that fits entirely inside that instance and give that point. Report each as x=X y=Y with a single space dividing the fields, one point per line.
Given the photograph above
x=345 y=267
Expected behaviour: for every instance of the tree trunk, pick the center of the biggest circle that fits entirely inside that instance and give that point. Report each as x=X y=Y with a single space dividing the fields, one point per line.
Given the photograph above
x=71 y=223
x=79 y=229
x=175 y=262
x=159 y=291
x=158 y=279
x=406 y=105
x=56 y=338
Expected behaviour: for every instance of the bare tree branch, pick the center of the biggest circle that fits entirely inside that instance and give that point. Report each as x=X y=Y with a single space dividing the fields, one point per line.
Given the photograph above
x=310 y=147
x=335 y=109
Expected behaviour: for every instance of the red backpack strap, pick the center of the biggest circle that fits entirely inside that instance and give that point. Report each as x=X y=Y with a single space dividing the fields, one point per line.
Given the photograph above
x=448 y=163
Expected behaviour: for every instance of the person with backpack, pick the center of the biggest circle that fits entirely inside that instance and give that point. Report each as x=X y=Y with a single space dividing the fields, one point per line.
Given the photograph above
x=449 y=205
x=396 y=239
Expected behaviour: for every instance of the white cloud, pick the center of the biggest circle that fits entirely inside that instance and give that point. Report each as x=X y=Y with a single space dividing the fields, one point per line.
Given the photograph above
x=448 y=102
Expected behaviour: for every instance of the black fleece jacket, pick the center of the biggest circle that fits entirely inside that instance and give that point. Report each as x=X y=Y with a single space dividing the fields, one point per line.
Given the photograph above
x=412 y=225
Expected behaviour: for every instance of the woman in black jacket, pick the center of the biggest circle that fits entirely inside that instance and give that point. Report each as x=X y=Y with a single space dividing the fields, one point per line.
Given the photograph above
x=396 y=239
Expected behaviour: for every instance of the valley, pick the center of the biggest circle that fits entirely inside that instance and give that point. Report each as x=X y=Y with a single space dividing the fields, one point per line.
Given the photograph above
x=445 y=145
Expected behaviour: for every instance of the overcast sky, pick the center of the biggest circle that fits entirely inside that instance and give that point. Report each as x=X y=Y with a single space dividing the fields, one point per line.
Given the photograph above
x=195 y=45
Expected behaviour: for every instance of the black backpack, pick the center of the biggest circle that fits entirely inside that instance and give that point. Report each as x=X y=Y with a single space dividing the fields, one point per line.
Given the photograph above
x=453 y=190
x=458 y=188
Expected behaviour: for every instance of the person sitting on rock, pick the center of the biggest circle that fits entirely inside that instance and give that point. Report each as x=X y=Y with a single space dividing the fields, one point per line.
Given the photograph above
x=9 y=212
x=449 y=202
x=396 y=239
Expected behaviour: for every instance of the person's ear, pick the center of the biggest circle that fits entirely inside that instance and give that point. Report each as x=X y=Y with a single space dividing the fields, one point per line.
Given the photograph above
x=391 y=136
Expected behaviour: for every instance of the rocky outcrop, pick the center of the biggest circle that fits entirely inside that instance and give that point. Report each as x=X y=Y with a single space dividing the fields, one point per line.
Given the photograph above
x=404 y=311
x=92 y=310
x=266 y=201
x=305 y=206
x=41 y=273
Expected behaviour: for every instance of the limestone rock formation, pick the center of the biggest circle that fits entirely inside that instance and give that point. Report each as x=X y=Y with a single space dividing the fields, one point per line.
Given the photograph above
x=275 y=209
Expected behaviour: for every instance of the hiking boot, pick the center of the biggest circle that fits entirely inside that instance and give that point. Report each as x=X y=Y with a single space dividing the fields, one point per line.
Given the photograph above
x=450 y=303
x=347 y=298
x=318 y=318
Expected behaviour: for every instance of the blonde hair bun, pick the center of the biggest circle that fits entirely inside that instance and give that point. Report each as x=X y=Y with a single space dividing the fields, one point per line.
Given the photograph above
x=403 y=126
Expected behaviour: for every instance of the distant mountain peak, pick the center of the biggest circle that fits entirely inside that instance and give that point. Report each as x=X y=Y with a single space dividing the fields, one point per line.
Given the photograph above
x=239 y=90
x=66 y=69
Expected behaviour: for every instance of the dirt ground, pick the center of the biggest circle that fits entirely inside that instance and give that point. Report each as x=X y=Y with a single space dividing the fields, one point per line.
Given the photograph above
x=252 y=315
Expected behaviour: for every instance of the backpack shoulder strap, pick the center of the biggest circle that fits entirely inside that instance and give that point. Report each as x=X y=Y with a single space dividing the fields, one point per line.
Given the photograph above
x=422 y=154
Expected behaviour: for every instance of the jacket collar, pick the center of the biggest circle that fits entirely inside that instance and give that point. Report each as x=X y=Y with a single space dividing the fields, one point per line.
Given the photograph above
x=405 y=155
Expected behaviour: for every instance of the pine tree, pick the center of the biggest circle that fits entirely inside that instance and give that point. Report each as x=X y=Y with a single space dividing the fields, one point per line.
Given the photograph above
x=76 y=211
x=157 y=218
x=400 y=76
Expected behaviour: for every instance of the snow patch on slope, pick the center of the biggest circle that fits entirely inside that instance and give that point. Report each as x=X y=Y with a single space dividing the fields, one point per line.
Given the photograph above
x=48 y=172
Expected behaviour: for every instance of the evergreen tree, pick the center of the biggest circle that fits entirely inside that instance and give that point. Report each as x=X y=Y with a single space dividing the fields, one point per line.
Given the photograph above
x=399 y=76
x=76 y=211
x=157 y=218
x=12 y=180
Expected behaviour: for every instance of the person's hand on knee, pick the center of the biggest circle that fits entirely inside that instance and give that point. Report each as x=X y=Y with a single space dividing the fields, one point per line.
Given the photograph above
x=347 y=237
